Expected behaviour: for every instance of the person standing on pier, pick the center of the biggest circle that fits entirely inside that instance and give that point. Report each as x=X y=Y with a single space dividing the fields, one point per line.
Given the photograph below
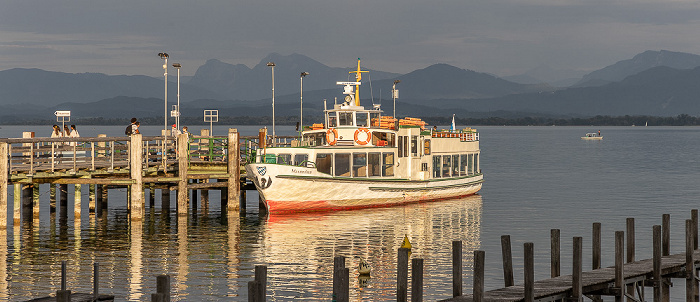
x=73 y=133
x=66 y=131
x=56 y=132
x=174 y=131
x=185 y=131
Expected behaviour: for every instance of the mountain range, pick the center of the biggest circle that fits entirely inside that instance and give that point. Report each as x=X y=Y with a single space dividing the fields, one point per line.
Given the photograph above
x=661 y=83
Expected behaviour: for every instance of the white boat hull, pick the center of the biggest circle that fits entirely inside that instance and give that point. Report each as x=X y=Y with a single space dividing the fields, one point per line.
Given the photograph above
x=298 y=189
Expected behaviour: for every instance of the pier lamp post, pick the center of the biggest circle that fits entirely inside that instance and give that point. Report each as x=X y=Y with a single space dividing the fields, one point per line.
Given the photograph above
x=301 y=101
x=395 y=95
x=177 y=118
x=165 y=56
x=272 y=65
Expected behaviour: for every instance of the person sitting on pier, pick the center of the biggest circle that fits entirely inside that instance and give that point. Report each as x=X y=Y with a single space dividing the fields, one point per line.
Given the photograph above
x=131 y=129
x=136 y=126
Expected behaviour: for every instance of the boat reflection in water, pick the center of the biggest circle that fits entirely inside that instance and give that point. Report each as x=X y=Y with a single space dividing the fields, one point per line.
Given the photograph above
x=211 y=257
x=302 y=247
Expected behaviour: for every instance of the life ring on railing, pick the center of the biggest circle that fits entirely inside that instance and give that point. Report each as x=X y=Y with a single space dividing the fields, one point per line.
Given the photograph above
x=334 y=132
x=362 y=142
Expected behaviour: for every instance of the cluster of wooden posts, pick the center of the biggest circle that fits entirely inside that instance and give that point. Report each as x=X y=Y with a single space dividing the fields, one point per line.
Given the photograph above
x=626 y=279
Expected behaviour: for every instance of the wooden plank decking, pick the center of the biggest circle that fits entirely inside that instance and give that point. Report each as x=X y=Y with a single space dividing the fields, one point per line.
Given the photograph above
x=594 y=282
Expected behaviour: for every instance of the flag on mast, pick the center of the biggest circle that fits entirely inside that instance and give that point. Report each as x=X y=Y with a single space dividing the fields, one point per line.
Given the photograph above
x=453 y=122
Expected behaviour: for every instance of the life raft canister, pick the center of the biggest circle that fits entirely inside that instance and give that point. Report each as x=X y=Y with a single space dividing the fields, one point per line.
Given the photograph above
x=362 y=142
x=332 y=132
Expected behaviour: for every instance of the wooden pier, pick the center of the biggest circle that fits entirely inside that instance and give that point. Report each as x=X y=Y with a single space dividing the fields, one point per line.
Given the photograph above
x=137 y=162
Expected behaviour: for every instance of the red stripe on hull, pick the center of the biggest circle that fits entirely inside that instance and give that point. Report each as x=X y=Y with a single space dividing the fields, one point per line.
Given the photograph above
x=282 y=207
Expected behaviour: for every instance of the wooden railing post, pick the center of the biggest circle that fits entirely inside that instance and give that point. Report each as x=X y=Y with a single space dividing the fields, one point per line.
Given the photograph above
x=690 y=282
x=529 y=271
x=657 y=262
x=182 y=191
x=577 y=270
x=234 y=171
x=596 y=245
x=619 y=263
x=136 y=168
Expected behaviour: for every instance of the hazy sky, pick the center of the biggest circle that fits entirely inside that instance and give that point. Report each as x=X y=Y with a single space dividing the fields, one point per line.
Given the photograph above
x=503 y=37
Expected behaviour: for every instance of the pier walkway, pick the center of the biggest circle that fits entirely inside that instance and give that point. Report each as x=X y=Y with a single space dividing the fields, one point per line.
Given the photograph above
x=136 y=162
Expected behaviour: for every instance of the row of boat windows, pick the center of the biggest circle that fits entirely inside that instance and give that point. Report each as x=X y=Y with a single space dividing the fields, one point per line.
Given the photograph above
x=356 y=164
x=455 y=165
x=341 y=118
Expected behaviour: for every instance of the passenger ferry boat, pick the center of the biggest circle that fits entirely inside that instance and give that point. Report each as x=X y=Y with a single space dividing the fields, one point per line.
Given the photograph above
x=361 y=159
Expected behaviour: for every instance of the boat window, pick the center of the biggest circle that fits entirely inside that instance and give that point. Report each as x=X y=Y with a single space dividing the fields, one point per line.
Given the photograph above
x=359 y=164
x=332 y=121
x=375 y=118
x=299 y=159
x=463 y=165
x=315 y=139
x=476 y=164
x=323 y=162
x=426 y=147
x=455 y=165
x=374 y=162
x=344 y=118
x=400 y=145
x=436 y=166
x=342 y=164
x=446 y=163
x=470 y=165
x=414 y=145
x=285 y=159
x=361 y=119
x=388 y=164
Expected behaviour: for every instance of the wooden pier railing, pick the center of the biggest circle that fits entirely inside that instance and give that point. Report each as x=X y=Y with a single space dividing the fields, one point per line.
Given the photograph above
x=181 y=163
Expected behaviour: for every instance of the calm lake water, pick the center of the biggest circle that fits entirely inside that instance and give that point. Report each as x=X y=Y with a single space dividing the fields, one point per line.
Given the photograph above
x=536 y=179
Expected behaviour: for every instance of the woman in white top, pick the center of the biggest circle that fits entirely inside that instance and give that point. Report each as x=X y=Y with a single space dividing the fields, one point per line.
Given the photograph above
x=73 y=133
x=56 y=131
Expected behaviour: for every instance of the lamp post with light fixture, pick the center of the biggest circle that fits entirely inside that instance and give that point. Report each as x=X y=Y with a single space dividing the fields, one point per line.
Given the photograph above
x=301 y=101
x=272 y=65
x=177 y=118
x=165 y=56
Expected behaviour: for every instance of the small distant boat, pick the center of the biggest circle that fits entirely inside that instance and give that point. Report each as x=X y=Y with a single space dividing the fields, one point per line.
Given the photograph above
x=592 y=136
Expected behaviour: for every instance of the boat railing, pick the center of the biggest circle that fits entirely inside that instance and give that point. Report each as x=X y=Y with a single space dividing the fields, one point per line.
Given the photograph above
x=464 y=135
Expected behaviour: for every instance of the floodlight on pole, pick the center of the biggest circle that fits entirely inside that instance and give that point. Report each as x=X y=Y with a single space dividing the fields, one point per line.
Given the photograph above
x=272 y=65
x=177 y=117
x=301 y=101
x=165 y=56
x=395 y=95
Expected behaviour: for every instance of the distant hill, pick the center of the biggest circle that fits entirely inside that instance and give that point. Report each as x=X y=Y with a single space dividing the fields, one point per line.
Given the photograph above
x=643 y=61
x=238 y=82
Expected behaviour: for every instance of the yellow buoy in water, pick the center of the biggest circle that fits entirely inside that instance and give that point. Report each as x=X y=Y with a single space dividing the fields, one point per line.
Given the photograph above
x=406 y=244
x=364 y=268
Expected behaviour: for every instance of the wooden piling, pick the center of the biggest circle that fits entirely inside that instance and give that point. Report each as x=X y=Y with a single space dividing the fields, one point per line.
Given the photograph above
x=479 y=267
x=17 y=204
x=91 y=198
x=63 y=196
x=77 y=200
x=665 y=251
x=163 y=286
x=577 y=271
x=657 y=262
x=619 y=262
x=105 y=198
x=261 y=278
x=27 y=194
x=182 y=194
x=690 y=282
x=152 y=195
x=694 y=218
x=555 y=253
x=253 y=290
x=165 y=198
x=507 y=256
x=596 y=245
x=136 y=169
x=52 y=198
x=35 y=201
x=456 y=268
x=630 y=250
x=338 y=265
x=343 y=290
x=529 y=271
x=3 y=184
x=95 y=281
x=234 y=171
x=402 y=275
x=417 y=280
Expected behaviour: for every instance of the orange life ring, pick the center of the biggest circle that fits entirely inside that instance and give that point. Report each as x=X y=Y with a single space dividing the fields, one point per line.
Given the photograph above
x=335 y=136
x=362 y=142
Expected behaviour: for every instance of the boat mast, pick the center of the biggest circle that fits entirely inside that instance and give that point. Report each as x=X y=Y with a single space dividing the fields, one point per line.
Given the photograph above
x=358 y=77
